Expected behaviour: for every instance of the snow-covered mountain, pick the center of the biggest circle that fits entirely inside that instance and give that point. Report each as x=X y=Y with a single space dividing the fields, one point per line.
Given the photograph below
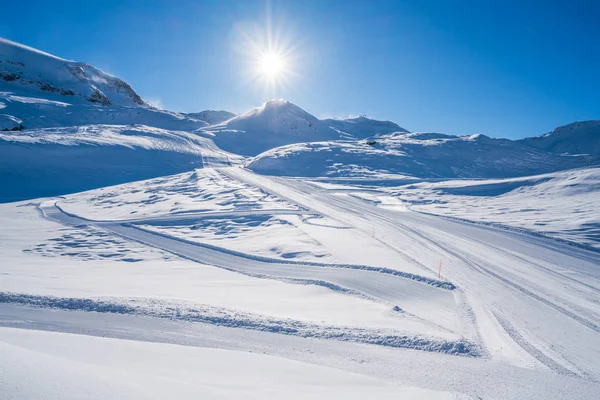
x=66 y=126
x=423 y=155
x=573 y=139
x=27 y=69
x=363 y=127
x=212 y=117
x=275 y=123
x=39 y=90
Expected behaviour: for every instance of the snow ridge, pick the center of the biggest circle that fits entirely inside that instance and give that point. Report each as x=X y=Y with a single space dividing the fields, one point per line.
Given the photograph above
x=236 y=319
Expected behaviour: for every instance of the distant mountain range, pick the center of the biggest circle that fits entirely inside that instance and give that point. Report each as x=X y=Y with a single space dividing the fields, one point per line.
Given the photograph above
x=67 y=126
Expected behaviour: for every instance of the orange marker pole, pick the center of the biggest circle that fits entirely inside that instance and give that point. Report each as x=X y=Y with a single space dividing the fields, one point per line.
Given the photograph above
x=440 y=271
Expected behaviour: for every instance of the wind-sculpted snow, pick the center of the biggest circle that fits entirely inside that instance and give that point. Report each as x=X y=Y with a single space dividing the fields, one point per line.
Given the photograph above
x=55 y=161
x=422 y=155
x=236 y=319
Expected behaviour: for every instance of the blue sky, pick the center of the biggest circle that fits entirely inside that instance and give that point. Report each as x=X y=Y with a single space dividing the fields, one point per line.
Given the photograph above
x=505 y=68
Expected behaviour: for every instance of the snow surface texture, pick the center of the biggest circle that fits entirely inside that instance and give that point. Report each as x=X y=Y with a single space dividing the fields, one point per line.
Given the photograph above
x=422 y=155
x=255 y=234
x=203 y=190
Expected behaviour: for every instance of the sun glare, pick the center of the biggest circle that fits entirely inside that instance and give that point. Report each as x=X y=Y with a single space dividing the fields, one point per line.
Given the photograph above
x=271 y=65
x=271 y=53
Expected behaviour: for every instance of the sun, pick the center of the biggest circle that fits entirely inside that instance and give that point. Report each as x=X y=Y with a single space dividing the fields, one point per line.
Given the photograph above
x=272 y=54
x=271 y=65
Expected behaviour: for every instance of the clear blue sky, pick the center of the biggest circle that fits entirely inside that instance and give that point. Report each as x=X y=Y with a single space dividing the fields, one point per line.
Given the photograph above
x=504 y=68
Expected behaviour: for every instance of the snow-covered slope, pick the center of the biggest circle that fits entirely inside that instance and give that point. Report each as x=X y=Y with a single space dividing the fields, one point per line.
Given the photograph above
x=363 y=127
x=275 y=123
x=212 y=117
x=573 y=139
x=423 y=155
x=53 y=161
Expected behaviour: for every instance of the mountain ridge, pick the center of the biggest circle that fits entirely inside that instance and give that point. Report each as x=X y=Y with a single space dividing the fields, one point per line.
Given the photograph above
x=52 y=106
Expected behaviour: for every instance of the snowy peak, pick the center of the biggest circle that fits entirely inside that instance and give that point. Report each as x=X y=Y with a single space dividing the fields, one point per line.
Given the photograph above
x=26 y=70
x=573 y=139
x=278 y=114
x=275 y=123
x=363 y=127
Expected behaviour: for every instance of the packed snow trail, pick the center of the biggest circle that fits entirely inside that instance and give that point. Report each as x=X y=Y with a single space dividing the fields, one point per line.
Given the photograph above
x=412 y=296
x=530 y=283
